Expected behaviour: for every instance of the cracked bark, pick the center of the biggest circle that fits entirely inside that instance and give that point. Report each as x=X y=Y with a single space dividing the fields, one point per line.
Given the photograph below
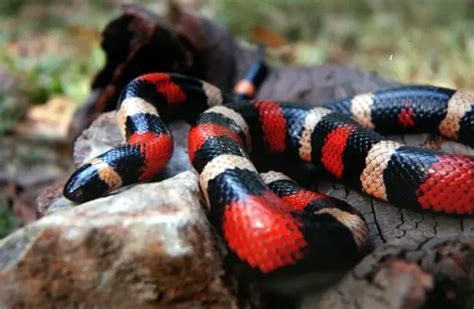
x=419 y=258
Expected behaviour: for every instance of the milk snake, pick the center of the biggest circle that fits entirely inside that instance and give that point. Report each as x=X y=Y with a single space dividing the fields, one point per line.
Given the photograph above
x=267 y=220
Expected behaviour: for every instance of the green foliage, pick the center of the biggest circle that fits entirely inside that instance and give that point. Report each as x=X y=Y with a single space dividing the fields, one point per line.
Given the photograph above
x=9 y=113
x=7 y=220
x=51 y=54
x=410 y=41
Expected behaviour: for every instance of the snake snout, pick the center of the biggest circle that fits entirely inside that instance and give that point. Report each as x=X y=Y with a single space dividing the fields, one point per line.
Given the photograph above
x=85 y=184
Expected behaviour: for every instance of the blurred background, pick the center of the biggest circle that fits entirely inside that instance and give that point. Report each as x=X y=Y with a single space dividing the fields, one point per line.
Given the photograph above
x=50 y=51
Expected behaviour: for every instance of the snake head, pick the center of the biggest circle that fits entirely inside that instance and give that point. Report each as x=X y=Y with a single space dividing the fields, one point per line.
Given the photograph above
x=86 y=184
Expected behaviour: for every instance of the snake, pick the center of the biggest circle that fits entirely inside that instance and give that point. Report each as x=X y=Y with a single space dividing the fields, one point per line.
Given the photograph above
x=267 y=220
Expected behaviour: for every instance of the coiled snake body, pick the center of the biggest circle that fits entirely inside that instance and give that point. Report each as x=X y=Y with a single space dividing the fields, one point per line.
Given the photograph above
x=267 y=220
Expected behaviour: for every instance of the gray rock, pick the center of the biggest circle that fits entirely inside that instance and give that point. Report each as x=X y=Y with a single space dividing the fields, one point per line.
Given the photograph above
x=147 y=246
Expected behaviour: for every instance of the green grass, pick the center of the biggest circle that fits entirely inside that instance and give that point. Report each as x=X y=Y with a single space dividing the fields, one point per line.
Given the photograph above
x=7 y=220
x=47 y=52
x=409 y=41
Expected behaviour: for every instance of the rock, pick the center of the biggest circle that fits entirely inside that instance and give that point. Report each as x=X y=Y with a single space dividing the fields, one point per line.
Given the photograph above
x=48 y=197
x=148 y=246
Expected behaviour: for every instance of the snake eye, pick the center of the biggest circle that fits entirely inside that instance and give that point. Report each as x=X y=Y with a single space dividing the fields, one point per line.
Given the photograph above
x=85 y=184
